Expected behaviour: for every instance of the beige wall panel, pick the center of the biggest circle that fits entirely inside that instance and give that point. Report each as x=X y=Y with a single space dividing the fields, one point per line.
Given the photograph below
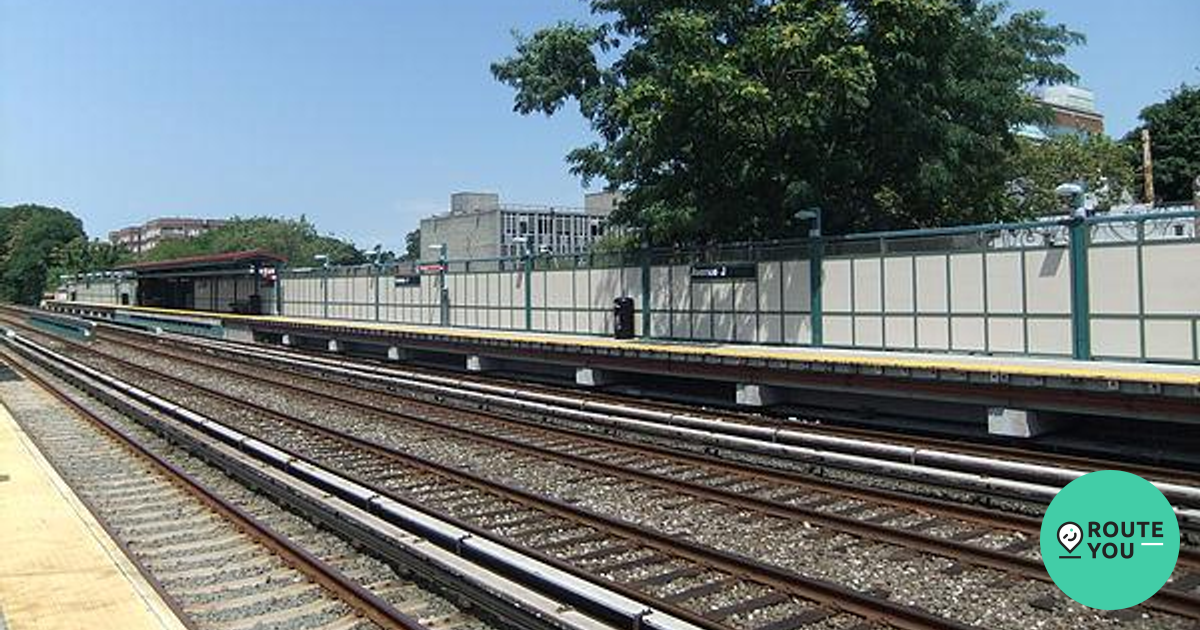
x=1004 y=283
x=745 y=328
x=931 y=284
x=770 y=287
x=770 y=329
x=966 y=283
x=660 y=325
x=702 y=324
x=1115 y=338
x=660 y=288
x=601 y=323
x=898 y=286
x=1170 y=340
x=632 y=284
x=868 y=332
x=681 y=282
x=835 y=288
x=702 y=298
x=682 y=323
x=1172 y=278
x=868 y=288
x=722 y=296
x=1049 y=336
x=1006 y=334
x=1048 y=282
x=539 y=320
x=560 y=289
x=723 y=324
x=966 y=334
x=606 y=286
x=745 y=296
x=901 y=332
x=797 y=329
x=837 y=330
x=797 y=296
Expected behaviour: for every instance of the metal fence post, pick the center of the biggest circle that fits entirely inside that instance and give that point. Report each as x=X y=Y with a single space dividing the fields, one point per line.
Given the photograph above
x=528 y=289
x=645 y=291
x=1081 y=333
x=815 y=280
x=325 y=292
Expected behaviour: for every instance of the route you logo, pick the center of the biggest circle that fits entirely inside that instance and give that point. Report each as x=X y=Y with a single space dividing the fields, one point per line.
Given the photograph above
x=1110 y=540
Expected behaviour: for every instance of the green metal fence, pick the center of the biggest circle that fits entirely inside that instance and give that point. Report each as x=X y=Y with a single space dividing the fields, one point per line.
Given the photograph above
x=1113 y=287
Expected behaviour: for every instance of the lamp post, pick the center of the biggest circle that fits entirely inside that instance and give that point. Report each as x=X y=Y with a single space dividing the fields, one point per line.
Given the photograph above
x=816 y=254
x=324 y=260
x=527 y=261
x=1072 y=194
x=443 y=290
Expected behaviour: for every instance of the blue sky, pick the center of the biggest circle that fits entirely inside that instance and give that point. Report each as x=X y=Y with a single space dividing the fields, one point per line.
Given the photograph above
x=363 y=115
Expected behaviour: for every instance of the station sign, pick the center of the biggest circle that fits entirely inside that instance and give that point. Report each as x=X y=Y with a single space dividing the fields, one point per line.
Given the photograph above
x=431 y=268
x=408 y=280
x=724 y=271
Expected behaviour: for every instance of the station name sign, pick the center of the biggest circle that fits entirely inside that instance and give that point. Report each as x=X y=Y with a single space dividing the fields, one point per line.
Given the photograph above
x=724 y=271
x=408 y=280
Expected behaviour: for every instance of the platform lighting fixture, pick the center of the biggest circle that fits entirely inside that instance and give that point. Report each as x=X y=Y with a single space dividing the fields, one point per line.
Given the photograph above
x=322 y=258
x=814 y=215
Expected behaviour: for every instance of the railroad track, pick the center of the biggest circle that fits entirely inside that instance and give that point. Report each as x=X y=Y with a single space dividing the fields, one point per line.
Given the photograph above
x=703 y=586
x=217 y=564
x=730 y=486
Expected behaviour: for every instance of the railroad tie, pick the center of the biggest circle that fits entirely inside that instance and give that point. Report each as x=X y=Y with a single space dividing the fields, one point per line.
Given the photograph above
x=668 y=577
x=708 y=588
x=745 y=606
x=799 y=620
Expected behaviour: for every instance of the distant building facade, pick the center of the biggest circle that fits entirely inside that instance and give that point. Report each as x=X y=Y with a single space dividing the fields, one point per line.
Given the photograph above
x=1073 y=112
x=478 y=225
x=143 y=238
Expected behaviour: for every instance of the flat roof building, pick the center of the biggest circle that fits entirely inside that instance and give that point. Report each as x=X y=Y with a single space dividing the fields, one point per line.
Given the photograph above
x=478 y=225
x=143 y=238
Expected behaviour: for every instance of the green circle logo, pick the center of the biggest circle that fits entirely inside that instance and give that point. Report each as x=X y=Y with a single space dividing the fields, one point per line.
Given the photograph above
x=1110 y=540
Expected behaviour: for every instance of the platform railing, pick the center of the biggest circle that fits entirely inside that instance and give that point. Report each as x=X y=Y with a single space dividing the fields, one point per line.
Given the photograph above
x=1119 y=287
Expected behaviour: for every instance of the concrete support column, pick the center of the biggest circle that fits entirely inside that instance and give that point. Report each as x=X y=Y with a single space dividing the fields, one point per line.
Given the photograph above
x=476 y=363
x=396 y=353
x=287 y=340
x=335 y=345
x=593 y=377
x=755 y=395
x=1020 y=423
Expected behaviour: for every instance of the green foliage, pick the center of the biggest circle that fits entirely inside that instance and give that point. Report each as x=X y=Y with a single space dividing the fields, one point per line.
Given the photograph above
x=29 y=236
x=1099 y=162
x=719 y=120
x=1175 y=141
x=81 y=255
x=295 y=240
x=412 y=245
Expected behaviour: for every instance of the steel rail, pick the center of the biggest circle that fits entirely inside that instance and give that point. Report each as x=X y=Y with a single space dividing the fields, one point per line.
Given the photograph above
x=362 y=600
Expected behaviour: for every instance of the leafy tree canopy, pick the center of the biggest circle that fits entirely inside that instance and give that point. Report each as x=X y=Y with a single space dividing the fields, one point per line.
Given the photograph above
x=1102 y=164
x=1175 y=142
x=721 y=119
x=296 y=240
x=29 y=237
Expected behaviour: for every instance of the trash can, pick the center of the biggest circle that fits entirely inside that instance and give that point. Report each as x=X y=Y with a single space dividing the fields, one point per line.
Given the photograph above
x=623 y=318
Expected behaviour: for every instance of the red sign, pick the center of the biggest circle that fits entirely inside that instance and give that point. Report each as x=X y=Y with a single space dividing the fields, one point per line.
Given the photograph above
x=435 y=268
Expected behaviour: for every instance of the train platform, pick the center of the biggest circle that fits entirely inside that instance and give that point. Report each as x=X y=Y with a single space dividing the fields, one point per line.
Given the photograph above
x=59 y=569
x=1008 y=387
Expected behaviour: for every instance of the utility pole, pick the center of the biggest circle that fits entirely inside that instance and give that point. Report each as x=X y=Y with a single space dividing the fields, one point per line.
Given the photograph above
x=1147 y=167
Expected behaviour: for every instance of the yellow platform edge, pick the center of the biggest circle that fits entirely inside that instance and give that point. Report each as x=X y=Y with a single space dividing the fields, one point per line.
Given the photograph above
x=59 y=569
x=866 y=358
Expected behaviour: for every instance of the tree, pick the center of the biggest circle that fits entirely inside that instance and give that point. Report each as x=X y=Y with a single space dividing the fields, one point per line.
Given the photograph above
x=412 y=245
x=1175 y=141
x=29 y=235
x=1099 y=162
x=721 y=120
x=296 y=240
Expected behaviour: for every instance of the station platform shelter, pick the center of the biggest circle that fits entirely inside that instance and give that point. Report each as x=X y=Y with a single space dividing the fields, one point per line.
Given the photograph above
x=236 y=282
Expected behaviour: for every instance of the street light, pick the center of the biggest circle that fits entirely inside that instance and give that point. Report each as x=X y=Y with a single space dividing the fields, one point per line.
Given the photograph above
x=322 y=258
x=814 y=215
